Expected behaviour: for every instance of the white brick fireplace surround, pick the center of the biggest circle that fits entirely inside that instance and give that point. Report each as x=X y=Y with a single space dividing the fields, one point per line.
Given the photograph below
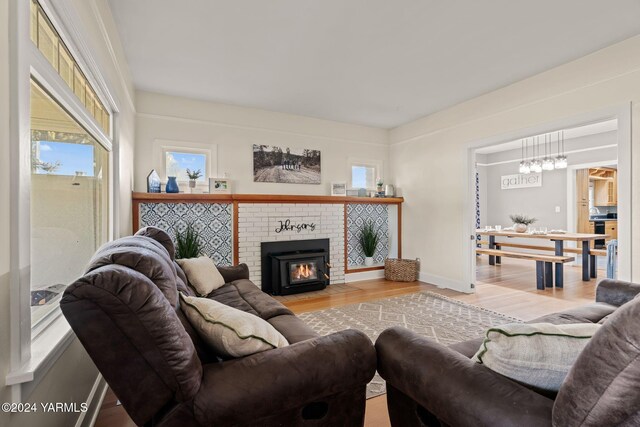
x=233 y=226
x=263 y=222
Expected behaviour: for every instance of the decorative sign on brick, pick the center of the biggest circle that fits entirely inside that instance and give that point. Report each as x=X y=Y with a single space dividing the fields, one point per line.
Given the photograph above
x=288 y=226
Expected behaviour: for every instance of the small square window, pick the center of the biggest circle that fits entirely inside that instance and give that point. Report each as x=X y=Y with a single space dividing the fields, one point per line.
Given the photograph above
x=364 y=174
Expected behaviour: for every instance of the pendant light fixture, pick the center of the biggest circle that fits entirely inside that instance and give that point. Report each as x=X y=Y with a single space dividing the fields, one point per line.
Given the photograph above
x=547 y=162
x=536 y=164
x=523 y=162
x=561 y=159
x=525 y=166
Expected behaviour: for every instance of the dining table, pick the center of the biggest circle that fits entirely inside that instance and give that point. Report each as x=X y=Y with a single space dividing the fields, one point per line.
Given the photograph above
x=559 y=239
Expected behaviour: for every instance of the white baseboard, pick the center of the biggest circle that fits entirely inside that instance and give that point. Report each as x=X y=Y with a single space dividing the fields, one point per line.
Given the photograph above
x=94 y=402
x=364 y=275
x=444 y=282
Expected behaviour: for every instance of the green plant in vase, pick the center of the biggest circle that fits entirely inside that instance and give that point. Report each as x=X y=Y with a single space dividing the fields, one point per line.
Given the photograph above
x=369 y=242
x=521 y=222
x=193 y=177
x=188 y=243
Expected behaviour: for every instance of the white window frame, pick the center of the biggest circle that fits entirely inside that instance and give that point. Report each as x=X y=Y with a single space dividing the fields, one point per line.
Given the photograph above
x=376 y=164
x=162 y=146
x=34 y=350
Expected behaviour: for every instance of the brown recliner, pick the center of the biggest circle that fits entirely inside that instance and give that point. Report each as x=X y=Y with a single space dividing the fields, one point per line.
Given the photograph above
x=429 y=384
x=125 y=311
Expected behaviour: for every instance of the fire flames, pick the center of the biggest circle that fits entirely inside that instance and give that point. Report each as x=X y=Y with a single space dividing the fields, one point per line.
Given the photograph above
x=303 y=272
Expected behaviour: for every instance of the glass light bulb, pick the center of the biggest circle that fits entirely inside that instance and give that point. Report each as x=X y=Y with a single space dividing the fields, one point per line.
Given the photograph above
x=547 y=164
x=561 y=162
x=536 y=166
x=526 y=168
x=521 y=167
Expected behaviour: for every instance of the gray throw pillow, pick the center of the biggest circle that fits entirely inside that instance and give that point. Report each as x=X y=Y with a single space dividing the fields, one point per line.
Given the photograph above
x=229 y=331
x=535 y=354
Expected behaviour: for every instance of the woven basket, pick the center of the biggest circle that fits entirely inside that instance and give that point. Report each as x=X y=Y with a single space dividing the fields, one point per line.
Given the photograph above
x=401 y=270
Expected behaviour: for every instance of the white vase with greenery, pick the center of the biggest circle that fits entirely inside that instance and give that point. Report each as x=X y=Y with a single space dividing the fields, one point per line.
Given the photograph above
x=521 y=222
x=369 y=242
x=193 y=177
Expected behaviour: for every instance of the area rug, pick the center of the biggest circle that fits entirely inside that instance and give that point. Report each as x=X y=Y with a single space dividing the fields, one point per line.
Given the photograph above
x=435 y=316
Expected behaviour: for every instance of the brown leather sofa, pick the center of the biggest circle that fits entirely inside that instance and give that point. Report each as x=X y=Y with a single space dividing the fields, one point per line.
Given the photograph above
x=429 y=384
x=125 y=311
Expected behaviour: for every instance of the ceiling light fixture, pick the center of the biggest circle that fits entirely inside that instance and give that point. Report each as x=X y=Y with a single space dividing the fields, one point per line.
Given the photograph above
x=525 y=166
x=561 y=159
x=536 y=164
x=547 y=162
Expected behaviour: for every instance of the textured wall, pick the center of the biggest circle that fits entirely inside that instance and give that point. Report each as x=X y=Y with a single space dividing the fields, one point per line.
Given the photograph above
x=212 y=221
x=357 y=216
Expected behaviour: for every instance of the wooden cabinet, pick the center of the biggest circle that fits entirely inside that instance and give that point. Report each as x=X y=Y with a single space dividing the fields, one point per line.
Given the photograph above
x=582 y=186
x=583 y=218
x=611 y=228
x=605 y=188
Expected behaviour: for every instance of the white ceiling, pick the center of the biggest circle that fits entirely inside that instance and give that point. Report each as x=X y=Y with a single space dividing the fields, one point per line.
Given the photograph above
x=576 y=132
x=373 y=62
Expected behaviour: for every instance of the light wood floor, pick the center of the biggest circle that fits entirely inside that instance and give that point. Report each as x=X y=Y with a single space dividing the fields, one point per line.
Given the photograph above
x=509 y=288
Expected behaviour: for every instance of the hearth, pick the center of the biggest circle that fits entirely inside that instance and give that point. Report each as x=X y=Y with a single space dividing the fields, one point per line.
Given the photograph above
x=294 y=266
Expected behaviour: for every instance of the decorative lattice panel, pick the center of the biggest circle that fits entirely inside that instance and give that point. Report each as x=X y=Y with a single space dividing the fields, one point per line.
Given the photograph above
x=212 y=221
x=358 y=214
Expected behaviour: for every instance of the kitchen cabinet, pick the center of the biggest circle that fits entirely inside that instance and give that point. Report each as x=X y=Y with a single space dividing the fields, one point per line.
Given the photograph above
x=611 y=228
x=605 y=189
x=582 y=186
x=583 y=218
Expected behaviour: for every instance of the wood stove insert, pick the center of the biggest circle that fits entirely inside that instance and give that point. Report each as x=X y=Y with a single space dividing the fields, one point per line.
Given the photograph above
x=294 y=266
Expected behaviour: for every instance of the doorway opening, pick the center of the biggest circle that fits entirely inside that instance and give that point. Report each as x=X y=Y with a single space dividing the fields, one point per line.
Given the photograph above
x=586 y=196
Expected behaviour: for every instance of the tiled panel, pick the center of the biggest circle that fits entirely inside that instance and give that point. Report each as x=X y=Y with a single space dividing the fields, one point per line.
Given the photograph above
x=213 y=221
x=357 y=216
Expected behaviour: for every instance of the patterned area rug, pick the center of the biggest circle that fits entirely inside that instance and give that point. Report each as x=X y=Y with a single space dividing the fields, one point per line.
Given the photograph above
x=440 y=318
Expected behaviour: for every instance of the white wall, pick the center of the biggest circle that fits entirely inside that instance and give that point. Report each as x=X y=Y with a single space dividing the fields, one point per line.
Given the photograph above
x=72 y=376
x=429 y=156
x=234 y=129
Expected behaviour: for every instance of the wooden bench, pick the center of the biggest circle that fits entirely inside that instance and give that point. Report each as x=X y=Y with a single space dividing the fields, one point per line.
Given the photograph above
x=592 y=252
x=544 y=264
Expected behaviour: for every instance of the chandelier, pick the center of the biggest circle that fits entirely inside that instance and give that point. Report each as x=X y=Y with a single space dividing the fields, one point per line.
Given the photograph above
x=536 y=164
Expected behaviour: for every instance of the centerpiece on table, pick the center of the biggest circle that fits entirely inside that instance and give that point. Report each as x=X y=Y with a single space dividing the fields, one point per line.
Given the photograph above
x=521 y=222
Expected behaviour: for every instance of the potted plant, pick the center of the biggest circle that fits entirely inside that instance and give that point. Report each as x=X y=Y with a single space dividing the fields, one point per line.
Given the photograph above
x=521 y=222
x=188 y=243
x=369 y=241
x=193 y=176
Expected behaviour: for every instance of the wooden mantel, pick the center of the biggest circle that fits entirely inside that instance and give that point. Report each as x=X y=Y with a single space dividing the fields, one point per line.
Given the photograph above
x=259 y=198
x=236 y=199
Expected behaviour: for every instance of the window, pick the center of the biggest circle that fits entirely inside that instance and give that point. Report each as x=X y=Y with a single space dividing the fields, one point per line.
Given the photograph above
x=48 y=41
x=69 y=200
x=177 y=163
x=364 y=174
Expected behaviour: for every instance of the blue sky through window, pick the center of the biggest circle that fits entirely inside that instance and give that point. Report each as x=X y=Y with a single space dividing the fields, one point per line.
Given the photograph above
x=75 y=159
x=177 y=164
x=359 y=177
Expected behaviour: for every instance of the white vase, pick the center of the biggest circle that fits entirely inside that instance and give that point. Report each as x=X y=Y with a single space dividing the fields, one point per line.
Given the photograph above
x=368 y=261
x=192 y=185
x=520 y=228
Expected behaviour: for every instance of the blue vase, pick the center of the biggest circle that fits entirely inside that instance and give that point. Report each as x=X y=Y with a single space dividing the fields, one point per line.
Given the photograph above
x=172 y=185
